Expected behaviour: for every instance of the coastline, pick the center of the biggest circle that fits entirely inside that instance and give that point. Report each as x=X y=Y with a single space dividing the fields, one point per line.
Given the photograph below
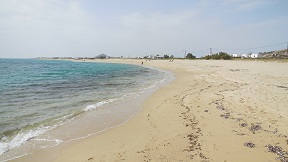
x=113 y=108
x=212 y=111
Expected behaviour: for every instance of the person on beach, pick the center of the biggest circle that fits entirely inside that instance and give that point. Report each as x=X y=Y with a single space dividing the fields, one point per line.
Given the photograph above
x=142 y=63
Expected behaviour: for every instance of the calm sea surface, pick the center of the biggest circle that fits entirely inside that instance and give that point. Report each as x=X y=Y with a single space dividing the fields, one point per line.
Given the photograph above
x=38 y=96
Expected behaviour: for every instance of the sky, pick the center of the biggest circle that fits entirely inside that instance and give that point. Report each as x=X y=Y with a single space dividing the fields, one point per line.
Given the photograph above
x=131 y=28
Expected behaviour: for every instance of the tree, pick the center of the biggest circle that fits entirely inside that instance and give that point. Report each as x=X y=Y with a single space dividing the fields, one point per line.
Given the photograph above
x=224 y=56
x=166 y=56
x=190 y=56
x=218 y=56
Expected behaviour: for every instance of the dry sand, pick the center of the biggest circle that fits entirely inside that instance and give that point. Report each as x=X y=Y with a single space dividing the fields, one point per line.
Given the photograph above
x=212 y=111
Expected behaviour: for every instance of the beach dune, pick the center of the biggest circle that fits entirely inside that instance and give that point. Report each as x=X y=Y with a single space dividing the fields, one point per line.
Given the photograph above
x=213 y=111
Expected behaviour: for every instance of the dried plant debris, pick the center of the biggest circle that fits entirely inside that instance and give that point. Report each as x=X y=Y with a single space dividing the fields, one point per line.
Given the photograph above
x=243 y=124
x=249 y=144
x=282 y=155
x=274 y=149
x=282 y=159
x=283 y=87
x=225 y=116
x=239 y=119
x=255 y=127
x=233 y=70
x=220 y=107
x=274 y=131
x=206 y=110
x=202 y=156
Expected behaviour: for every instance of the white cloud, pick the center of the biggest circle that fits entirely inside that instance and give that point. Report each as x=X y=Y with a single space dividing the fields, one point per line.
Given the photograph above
x=68 y=28
x=41 y=14
x=47 y=25
x=165 y=33
x=248 y=4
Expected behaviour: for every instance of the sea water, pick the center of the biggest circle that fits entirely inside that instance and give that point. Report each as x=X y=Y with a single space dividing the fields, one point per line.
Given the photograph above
x=46 y=102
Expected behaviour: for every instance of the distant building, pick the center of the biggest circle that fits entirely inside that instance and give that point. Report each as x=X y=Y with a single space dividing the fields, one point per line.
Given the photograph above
x=236 y=55
x=150 y=57
x=158 y=57
x=248 y=55
x=255 y=55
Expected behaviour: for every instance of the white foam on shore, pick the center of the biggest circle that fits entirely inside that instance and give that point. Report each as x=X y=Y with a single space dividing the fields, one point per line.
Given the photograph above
x=168 y=77
x=98 y=104
x=21 y=139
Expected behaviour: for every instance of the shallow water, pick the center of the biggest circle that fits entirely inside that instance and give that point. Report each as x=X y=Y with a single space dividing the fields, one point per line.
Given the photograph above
x=41 y=100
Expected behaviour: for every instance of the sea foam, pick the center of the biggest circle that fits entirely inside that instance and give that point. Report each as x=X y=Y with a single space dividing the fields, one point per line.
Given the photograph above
x=98 y=104
x=53 y=93
x=21 y=139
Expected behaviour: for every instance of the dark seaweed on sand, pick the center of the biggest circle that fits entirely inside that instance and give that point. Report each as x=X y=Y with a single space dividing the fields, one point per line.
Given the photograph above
x=249 y=144
x=282 y=155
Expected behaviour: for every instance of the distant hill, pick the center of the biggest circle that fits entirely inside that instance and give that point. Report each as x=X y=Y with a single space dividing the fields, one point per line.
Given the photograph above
x=275 y=54
x=102 y=56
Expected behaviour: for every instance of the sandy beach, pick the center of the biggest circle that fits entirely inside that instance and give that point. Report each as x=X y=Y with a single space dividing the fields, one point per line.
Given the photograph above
x=213 y=111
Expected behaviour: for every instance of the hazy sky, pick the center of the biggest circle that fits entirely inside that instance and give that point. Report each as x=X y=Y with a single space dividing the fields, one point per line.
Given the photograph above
x=80 y=28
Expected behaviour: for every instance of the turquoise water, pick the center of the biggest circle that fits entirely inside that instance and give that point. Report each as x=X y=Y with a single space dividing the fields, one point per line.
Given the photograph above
x=37 y=96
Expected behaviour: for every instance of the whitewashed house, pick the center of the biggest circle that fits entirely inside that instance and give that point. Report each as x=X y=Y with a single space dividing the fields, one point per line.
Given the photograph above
x=154 y=57
x=158 y=57
x=236 y=55
x=255 y=55
x=150 y=57
x=248 y=55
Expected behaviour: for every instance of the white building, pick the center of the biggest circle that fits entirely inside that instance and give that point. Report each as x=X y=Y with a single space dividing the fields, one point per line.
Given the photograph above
x=255 y=55
x=158 y=57
x=248 y=55
x=236 y=55
x=150 y=57
x=154 y=57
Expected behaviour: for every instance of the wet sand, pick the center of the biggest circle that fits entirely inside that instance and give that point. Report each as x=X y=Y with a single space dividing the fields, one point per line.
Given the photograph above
x=212 y=111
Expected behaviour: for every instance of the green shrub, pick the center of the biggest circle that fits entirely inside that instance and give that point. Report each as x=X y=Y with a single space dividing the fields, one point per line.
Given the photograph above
x=218 y=56
x=190 y=56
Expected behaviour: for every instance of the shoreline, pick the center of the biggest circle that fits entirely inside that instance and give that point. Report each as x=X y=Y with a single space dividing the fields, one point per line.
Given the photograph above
x=212 y=111
x=109 y=114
